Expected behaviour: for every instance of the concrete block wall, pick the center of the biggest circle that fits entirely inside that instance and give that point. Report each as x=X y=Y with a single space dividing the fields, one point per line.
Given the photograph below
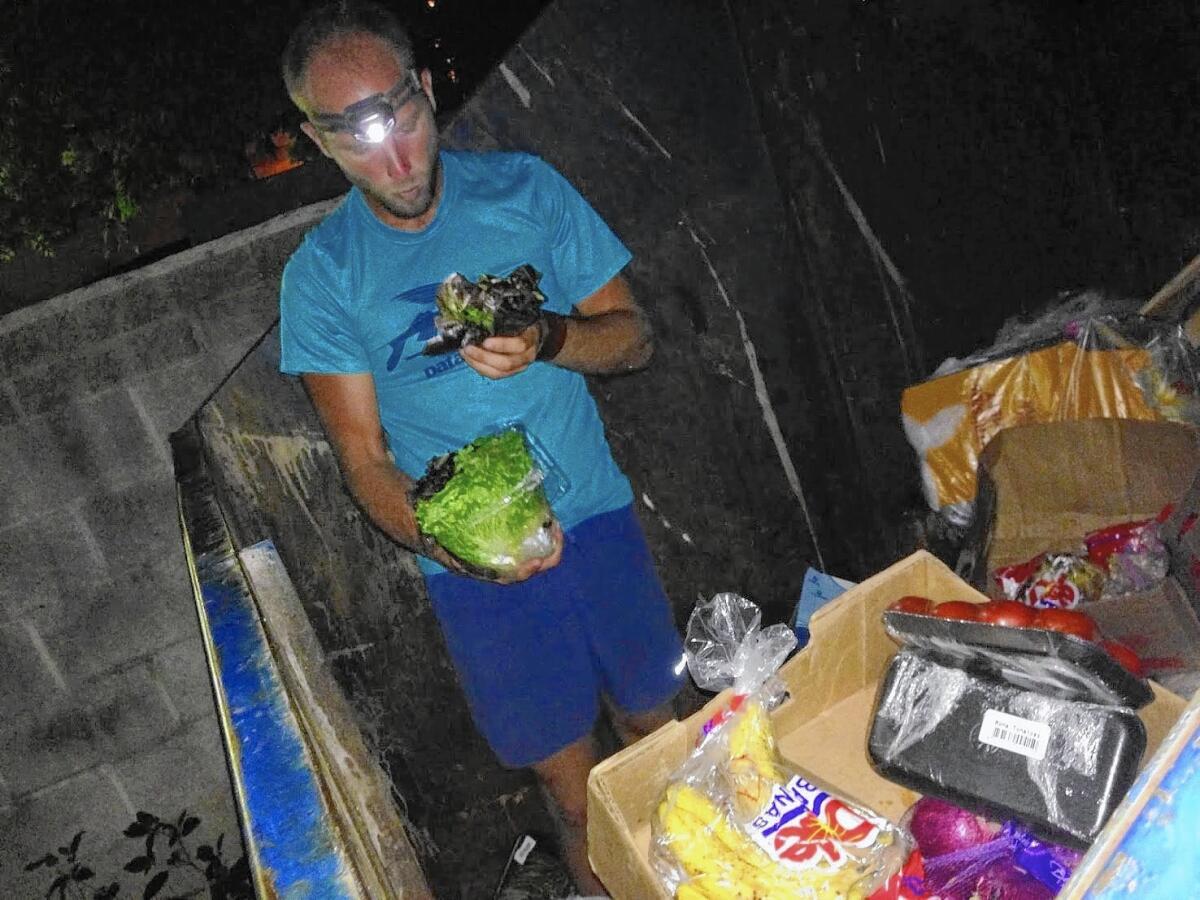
x=104 y=692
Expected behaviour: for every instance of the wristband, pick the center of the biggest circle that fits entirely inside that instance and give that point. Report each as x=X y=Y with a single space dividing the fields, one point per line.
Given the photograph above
x=552 y=334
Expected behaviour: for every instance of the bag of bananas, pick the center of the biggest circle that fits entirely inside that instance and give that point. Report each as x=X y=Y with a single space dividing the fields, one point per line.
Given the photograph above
x=734 y=822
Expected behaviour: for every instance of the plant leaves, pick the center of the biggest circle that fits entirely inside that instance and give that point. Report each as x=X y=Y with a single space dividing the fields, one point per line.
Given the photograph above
x=204 y=853
x=146 y=819
x=139 y=864
x=82 y=873
x=75 y=844
x=59 y=884
x=48 y=860
x=189 y=824
x=155 y=885
x=135 y=830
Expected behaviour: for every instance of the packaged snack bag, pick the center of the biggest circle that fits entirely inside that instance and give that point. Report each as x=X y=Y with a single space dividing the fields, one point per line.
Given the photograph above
x=1051 y=580
x=1131 y=553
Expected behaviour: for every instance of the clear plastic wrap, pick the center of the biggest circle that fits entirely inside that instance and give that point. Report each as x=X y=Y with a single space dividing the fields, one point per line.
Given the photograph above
x=1086 y=358
x=1007 y=864
x=487 y=503
x=1061 y=765
x=1132 y=554
x=469 y=312
x=735 y=821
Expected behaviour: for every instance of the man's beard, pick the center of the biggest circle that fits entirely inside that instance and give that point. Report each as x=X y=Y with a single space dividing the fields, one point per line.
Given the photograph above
x=416 y=208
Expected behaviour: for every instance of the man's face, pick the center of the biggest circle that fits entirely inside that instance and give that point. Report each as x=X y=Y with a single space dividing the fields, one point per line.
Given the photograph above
x=400 y=176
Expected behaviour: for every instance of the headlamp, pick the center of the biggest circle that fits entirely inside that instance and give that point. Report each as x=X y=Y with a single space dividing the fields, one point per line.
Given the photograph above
x=371 y=119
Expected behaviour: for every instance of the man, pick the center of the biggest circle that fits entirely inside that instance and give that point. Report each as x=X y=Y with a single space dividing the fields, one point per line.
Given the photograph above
x=540 y=650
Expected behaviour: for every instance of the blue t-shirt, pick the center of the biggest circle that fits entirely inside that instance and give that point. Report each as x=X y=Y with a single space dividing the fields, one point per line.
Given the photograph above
x=358 y=296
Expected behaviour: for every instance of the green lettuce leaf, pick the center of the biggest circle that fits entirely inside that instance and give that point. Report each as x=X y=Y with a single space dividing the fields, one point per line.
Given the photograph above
x=492 y=512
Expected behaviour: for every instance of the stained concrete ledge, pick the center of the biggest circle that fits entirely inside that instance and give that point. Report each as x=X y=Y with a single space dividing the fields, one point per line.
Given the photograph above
x=102 y=675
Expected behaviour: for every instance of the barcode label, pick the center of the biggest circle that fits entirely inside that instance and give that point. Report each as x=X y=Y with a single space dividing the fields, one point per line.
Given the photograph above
x=1014 y=734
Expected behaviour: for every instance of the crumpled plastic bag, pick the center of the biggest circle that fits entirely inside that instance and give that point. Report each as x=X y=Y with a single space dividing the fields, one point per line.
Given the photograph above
x=1087 y=358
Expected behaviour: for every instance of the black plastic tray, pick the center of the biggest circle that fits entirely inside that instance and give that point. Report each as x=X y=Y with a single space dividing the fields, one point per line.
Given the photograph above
x=929 y=739
x=1048 y=662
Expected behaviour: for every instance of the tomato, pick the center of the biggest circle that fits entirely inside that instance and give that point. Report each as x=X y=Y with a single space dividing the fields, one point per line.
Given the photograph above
x=1126 y=657
x=1007 y=612
x=958 y=609
x=1067 y=621
x=913 y=604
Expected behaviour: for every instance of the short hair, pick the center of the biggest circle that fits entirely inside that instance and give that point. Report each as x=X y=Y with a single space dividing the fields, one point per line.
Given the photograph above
x=322 y=23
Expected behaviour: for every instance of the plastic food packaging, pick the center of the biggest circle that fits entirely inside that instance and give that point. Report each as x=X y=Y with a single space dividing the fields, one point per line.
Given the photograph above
x=1132 y=555
x=486 y=504
x=735 y=820
x=994 y=863
x=1011 y=722
x=1051 y=581
x=470 y=312
x=1084 y=359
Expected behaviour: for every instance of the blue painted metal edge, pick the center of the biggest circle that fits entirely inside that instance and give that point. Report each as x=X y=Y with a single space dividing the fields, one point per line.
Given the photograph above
x=1155 y=851
x=291 y=840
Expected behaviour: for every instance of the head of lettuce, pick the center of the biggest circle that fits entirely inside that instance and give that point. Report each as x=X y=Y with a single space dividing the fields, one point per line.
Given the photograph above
x=485 y=504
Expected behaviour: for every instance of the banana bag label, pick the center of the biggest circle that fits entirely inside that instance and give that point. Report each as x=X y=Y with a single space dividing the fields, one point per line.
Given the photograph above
x=803 y=826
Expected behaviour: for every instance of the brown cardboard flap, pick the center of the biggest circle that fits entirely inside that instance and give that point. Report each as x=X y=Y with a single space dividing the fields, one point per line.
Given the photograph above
x=1055 y=482
x=1159 y=624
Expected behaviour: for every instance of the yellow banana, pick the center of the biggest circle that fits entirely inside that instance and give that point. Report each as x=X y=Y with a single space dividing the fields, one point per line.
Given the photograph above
x=718 y=859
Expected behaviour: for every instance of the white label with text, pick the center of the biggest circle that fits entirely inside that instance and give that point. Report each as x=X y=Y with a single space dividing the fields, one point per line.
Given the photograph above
x=1012 y=733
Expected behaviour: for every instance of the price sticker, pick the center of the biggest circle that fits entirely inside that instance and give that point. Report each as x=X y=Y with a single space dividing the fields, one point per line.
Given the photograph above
x=1012 y=733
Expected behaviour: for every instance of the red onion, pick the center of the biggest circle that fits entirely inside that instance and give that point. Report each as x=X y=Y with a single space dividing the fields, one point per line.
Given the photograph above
x=1004 y=881
x=940 y=827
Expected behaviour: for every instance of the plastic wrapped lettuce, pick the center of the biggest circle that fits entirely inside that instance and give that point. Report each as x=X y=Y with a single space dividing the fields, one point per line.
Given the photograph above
x=485 y=504
x=469 y=312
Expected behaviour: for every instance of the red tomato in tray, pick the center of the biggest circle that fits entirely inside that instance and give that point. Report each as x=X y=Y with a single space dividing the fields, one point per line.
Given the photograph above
x=958 y=609
x=1007 y=612
x=1126 y=657
x=1067 y=621
x=913 y=604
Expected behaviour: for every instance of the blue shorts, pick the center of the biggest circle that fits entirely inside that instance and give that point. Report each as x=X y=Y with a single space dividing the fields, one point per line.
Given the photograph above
x=534 y=658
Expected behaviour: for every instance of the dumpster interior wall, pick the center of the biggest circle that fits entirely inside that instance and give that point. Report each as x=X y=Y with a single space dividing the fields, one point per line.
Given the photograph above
x=823 y=201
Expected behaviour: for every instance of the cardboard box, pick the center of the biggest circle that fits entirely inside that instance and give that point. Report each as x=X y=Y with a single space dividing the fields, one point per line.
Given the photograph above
x=1043 y=487
x=1160 y=625
x=1048 y=485
x=821 y=729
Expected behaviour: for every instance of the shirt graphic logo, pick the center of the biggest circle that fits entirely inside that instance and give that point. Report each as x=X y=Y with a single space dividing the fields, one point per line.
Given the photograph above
x=409 y=343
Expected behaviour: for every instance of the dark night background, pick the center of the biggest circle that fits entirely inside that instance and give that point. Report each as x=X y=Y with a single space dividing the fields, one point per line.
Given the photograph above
x=1008 y=130
x=113 y=114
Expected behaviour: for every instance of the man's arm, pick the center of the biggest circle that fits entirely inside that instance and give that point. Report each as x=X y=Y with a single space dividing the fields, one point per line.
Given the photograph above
x=349 y=411
x=608 y=334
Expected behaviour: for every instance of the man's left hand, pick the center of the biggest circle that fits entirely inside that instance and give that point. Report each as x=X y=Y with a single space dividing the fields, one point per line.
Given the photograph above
x=501 y=357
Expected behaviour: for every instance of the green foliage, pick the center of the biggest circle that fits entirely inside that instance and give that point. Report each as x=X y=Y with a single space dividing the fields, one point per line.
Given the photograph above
x=164 y=850
x=103 y=105
x=491 y=506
